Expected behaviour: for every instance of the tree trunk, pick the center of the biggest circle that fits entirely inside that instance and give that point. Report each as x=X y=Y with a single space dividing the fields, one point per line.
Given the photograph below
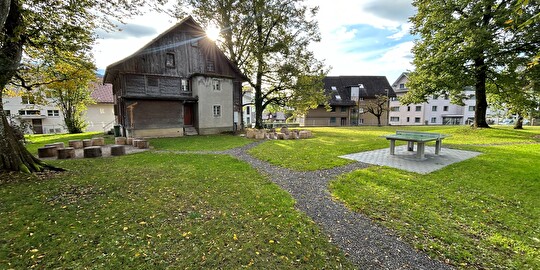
x=480 y=91
x=519 y=122
x=13 y=155
x=4 y=12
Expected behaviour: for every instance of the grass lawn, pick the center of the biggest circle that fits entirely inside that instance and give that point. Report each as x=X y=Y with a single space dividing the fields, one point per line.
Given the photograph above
x=323 y=150
x=200 y=143
x=39 y=140
x=157 y=210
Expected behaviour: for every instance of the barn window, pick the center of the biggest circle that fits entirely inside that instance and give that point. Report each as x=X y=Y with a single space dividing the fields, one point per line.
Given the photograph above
x=185 y=85
x=169 y=60
x=210 y=67
x=152 y=81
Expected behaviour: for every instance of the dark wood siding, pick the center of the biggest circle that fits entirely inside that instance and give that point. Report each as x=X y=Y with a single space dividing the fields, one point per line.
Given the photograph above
x=150 y=114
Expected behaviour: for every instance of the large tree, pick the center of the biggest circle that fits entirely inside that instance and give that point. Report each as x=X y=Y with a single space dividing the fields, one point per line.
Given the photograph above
x=377 y=107
x=469 y=43
x=52 y=27
x=269 y=41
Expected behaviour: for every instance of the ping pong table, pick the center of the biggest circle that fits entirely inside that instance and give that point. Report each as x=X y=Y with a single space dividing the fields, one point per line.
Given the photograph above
x=420 y=138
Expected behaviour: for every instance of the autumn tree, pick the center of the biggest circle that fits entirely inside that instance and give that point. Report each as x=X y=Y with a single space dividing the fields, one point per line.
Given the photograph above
x=52 y=27
x=268 y=40
x=469 y=43
x=377 y=106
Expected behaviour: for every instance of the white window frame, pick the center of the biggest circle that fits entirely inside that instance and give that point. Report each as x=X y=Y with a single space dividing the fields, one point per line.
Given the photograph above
x=216 y=110
x=184 y=85
x=53 y=113
x=216 y=85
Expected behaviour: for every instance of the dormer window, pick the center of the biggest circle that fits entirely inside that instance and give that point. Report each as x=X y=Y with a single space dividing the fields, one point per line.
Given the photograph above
x=169 y=60
x=338 y=97
x=361 y=85
x=401 y=86
x=334 y=88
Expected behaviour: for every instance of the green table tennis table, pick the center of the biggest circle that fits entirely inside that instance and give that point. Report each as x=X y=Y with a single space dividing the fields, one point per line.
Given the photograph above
x=420 y=138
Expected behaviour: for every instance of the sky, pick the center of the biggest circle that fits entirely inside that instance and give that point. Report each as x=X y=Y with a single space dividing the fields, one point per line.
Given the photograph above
x=359 y=37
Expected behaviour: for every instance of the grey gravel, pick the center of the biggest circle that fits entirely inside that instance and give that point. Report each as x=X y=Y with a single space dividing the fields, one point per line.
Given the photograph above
x=367 y=245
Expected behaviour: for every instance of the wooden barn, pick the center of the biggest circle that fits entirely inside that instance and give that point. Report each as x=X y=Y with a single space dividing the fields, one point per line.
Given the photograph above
x=179 y=83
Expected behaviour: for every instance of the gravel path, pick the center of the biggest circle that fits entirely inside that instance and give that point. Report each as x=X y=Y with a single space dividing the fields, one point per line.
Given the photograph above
x=366 y=244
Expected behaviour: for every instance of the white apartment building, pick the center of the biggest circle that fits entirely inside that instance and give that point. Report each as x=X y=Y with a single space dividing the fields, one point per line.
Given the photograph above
x=436 y=111
x=38 y=118
x=248 y=110
x=45 y=117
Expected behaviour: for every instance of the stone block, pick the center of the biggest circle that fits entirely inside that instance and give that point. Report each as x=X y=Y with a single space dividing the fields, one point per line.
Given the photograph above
x=65 y=153
x=92 y=151
x=118 y=150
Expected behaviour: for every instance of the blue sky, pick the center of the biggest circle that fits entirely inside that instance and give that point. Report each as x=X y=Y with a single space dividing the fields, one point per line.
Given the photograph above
x=362 y=37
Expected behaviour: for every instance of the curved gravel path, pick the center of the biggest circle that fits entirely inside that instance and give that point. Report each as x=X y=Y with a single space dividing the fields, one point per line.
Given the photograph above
x=366 y=244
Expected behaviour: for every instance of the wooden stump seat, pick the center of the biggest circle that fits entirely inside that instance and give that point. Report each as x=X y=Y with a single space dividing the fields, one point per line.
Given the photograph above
x=98 y=141
x=92 y=151
x=77 y=144
x=120 y=140
x=141 y=144
x=47 y=151
x=87 y=142
x=118 y=150
x=65 y=153
x=58 y=145
x=129 y=141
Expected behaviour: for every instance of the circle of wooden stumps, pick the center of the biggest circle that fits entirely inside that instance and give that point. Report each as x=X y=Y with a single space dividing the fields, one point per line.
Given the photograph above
x=92 y=151
x=65 y=153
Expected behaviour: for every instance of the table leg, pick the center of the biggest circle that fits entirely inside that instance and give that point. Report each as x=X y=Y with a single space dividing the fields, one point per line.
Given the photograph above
x=392 y=146
x=438 y=147
x=410 y=146
x=420 y=150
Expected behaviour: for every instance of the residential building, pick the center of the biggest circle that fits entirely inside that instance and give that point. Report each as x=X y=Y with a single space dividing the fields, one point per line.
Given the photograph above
x=100 y=116
x=180 y=81
x=248 y=109
x=42 y=118
x=348 y=95
x=436 y=111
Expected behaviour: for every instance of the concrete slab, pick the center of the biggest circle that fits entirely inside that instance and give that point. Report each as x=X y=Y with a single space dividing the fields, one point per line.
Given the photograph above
x=406 y=160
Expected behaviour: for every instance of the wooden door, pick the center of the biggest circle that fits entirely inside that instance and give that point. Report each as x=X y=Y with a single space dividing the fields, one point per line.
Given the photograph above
x=37 y=126
x=188 y=114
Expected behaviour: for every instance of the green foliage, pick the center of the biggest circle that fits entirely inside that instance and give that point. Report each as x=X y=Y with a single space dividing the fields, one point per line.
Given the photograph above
x=268 y=40
x=477 y=214
x=157 y=211
x=469 y=43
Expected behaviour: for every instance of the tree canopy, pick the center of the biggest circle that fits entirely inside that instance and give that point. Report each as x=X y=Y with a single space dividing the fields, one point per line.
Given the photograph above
x=470 y=43
x=268 y=40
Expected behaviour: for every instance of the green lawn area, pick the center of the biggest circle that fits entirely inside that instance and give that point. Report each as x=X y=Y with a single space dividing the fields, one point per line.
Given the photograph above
x=323 y=150
x=39 y=140
x=157 y=210
x=152 y=210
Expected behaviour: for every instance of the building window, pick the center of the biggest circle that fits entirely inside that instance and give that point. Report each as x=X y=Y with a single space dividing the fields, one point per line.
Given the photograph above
x=216 y=85
x=210 y=67
x=471 y=108
x=418 y=108
x=343 y=109
x=53 y=113
x=472 y=96
x=217 y=110
x=394 y=109
x=152 y=81
x=433 y=119
x=29 y=112
x=401 y=86
x=417 y=119
x=248 y=120
x=28 y=99
x=394 y=119
x=393 y=98
x=445 y=108
x=408 y=119
x=248 y=108
x=169 y=60
x=360 y=121
x=408 y=108
x=184 y=85
x=360 y=98
x=102 y=111
x=433 y=108
x=332 y=108
x=332 y=120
